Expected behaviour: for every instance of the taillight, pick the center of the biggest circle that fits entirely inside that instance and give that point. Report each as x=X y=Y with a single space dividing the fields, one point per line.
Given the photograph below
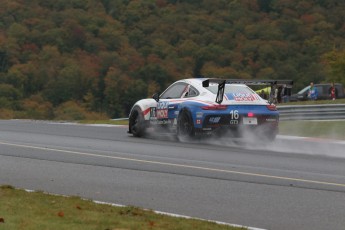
x=214 y=107
x=250 y=114
x=271 y=107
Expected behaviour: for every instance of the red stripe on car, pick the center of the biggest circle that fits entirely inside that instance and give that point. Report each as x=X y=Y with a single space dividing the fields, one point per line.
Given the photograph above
x=146 y=111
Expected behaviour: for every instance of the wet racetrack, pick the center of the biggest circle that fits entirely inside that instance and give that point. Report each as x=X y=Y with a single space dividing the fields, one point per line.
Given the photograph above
x=288 y=184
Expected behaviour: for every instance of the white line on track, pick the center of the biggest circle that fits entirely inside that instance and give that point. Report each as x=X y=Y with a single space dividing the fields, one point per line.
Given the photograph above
x=174 y=165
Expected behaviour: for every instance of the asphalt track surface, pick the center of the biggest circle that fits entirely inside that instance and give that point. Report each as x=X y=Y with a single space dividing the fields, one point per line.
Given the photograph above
x=291 y=183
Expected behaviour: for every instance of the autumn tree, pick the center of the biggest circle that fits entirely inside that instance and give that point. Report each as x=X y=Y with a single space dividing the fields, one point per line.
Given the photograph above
x=335 y=63
x=103 y=55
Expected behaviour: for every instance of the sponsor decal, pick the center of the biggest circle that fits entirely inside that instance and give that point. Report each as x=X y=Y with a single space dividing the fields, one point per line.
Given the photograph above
x=162 y=113
x=162 y=105
x=245 y=97
x=214 y=120
x=199 y=114
x=233 y=122
x=160 y=122
x=198 y=122
x=162 y=109
x=153 y=112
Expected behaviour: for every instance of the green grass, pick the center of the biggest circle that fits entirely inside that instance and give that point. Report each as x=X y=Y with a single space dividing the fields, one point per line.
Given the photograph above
x=111 y=122
x=322 y=129
x=21 y=210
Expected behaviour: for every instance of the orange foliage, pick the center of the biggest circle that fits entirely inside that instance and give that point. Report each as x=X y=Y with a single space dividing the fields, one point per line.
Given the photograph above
x=31 y=47
x=36 y=107
x=152 y=87
x=153 y=59
x=100 y=49
x=252 y=5
x=307 y=18
x=161 y=3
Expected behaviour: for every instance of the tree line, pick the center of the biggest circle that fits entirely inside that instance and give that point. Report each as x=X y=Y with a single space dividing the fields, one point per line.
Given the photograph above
x=77 y=59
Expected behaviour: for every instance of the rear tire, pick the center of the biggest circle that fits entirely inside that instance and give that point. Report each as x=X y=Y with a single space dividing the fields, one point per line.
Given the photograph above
x=137 y=124
x=185 y=126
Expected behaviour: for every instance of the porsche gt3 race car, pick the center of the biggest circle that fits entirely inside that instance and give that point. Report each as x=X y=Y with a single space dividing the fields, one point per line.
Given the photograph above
x=200 y=106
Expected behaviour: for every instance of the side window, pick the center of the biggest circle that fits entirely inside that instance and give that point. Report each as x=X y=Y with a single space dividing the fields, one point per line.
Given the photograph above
x=192 y=92
x=174 y=91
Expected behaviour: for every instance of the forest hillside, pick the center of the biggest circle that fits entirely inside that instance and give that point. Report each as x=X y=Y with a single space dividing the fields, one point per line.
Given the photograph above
x=83 y=59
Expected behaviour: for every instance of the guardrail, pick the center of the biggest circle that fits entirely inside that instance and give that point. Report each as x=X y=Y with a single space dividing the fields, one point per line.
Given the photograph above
x=311 y=112
x=120 y=119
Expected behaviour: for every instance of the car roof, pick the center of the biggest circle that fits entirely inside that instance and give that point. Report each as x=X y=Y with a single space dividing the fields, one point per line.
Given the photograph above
x=327 y=84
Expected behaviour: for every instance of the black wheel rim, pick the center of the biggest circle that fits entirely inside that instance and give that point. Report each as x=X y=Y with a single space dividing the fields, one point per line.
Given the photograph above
x=185 y=127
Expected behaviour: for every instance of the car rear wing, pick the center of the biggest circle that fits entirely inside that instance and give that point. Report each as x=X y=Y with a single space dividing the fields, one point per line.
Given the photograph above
x=222 y=82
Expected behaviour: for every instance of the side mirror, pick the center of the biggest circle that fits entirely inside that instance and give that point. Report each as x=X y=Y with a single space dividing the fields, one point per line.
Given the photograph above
x=206 y=83
x=156 y=97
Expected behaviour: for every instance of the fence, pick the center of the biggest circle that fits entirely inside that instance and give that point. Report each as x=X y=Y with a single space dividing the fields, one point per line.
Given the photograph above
x=312 y=112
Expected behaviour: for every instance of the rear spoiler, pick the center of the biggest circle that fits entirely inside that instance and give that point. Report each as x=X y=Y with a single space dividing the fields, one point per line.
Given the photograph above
x=221 y=84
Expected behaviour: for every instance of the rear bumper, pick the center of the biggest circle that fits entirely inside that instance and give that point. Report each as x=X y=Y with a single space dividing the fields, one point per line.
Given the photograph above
x=216 y=121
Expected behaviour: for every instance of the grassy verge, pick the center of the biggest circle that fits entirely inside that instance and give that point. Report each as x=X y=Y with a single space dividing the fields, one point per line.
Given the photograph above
x=110 y=122
x=322 y=129
x=35 y=210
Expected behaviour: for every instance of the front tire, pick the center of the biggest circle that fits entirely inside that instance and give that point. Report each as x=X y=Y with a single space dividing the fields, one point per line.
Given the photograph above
x=137 y=124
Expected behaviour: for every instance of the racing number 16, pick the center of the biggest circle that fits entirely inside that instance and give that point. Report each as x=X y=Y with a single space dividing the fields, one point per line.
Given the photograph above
x=234 y=114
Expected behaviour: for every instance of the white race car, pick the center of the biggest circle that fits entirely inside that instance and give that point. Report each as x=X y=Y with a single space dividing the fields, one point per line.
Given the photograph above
x=197 y=106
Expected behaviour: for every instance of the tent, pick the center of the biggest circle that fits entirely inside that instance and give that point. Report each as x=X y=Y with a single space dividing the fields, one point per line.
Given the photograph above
x=266 y=91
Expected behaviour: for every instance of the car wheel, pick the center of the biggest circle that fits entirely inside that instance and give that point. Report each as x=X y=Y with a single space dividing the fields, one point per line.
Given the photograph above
x=137 y=123
x=185 y=126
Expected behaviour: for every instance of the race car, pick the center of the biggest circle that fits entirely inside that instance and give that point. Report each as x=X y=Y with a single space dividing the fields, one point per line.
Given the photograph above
x=203 y=106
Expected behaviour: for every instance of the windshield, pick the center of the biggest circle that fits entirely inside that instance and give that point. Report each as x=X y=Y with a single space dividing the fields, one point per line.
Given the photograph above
x=304 y=90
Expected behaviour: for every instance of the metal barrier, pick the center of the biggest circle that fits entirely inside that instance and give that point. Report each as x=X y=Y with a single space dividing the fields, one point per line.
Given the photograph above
x=312 y=112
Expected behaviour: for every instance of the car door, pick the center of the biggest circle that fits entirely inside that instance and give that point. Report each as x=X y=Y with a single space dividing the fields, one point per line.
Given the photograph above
x=165 y=111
